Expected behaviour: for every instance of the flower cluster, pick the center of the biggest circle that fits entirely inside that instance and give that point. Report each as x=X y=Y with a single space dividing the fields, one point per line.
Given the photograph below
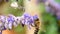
x=6 y=22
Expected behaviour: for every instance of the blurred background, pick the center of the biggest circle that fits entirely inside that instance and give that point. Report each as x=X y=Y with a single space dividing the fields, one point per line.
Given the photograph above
x=50 y=15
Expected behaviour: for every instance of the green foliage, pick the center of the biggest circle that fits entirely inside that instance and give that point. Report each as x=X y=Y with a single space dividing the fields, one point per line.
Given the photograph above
x=58 y=1
x=42 y=7
x=16 y=12
x=49 y=22
x=19 y=29
x=20 y=2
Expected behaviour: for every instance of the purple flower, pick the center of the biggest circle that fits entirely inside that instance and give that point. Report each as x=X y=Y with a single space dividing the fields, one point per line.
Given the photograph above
x=29 y=20
x=35 y=17
x=54 y=4
x=2 y=19
x=11 y=18
x=29 y=23
x=26 y=15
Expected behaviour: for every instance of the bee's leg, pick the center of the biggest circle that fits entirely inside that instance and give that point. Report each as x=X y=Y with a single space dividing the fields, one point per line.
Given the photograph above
x=32 y=25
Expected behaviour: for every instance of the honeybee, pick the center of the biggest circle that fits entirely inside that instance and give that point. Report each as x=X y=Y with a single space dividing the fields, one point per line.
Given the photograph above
x=36 y=25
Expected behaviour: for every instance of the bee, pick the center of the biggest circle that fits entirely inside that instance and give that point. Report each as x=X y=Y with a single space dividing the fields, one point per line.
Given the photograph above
x=36 y=24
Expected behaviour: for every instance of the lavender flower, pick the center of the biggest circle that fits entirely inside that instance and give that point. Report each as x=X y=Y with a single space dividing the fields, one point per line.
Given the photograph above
x=1 y=26
x=29 y=20
x=26 y=15
x=35 y=17
x=2 y=18
x=25 y=20
x=10 y=20
x=54 y=8
x=2 y=22
x=17 y=21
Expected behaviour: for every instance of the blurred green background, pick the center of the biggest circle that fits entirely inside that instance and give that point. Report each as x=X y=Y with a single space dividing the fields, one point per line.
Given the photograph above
x=49 y=24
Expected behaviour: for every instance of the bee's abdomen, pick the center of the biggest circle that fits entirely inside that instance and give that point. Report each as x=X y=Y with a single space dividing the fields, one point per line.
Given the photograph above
x=36 y=31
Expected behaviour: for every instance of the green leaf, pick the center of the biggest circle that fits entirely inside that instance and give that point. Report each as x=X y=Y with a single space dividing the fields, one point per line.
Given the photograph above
x=58 y=1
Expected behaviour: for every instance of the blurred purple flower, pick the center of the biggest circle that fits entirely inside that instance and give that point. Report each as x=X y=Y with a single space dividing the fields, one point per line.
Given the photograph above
x=26 y=15
x=29 y=20
x=2 y=19
x=35 y=17
x=10 y=19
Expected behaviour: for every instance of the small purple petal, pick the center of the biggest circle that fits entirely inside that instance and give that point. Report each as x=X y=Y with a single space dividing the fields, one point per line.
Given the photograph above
x=2 y=18
x=35 y=17
x=26 y=15
x=10 y=19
